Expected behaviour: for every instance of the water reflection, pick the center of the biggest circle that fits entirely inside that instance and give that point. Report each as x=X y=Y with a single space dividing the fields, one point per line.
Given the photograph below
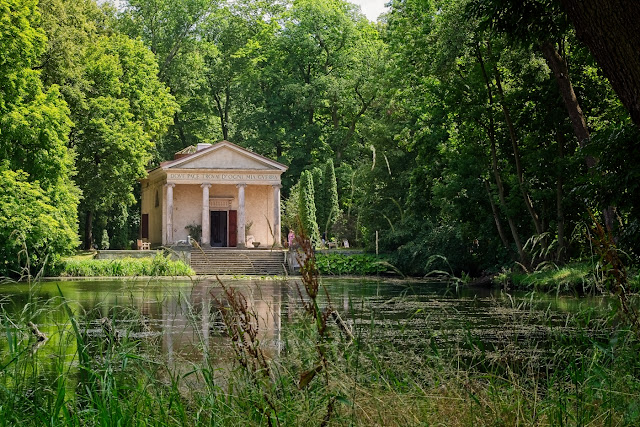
x=182 y=319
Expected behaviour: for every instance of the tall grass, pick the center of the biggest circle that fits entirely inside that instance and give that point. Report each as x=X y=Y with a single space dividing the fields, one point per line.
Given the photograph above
x=160 y=265
x=92 y=370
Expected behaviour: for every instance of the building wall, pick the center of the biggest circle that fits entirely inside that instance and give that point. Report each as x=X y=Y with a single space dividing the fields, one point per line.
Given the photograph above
x=148 y=206
x=259 y=209
x=224 y=158
x=187 y=209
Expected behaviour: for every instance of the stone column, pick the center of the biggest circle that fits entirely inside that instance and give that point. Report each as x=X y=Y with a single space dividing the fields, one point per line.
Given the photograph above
x=276 y=216
x=206 y=230
x=242 y=239
x=169 y=212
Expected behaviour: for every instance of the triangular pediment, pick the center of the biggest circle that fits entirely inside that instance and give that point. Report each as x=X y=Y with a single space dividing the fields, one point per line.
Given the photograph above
x=226 y=156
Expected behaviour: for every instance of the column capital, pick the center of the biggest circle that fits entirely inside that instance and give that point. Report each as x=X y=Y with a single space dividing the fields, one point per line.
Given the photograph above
x=276 y=185
x=205 y=185
x=170 y=184
x=242 y=185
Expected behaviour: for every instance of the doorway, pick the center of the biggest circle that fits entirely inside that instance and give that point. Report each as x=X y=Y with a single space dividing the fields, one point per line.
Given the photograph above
x=219 y=229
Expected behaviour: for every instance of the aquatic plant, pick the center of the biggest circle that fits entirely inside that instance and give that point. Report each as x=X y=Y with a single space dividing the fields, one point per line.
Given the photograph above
x=92 y=367
x=335 y=263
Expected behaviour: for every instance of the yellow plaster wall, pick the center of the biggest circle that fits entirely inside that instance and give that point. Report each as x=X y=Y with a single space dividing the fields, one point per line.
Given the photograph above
x=187 y=209
x=148 y=198
x=259 y=207
x=225 y=190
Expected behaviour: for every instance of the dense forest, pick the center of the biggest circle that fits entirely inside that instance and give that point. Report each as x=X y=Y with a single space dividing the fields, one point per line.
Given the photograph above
x=469 y=134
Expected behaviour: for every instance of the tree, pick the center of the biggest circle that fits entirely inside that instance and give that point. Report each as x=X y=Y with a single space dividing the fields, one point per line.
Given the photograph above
x=611 y=30
x=125 y=110
x=329 y=191
x=313 y=83
x=34 y=127
x=307 y=209
x=172 y=30
x=34 y=233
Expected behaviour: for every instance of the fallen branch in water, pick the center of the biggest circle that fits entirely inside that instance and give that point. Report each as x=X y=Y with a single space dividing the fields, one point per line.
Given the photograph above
x=35 y=331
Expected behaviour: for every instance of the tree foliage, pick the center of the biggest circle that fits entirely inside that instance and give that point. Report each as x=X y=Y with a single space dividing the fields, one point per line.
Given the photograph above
x=33 y=230
x=124 y=110
x=480 y=131
x=38 y=197
x=328 y=216
x=307 y=209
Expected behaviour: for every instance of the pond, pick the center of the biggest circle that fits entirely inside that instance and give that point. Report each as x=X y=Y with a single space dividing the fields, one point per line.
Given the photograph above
x=160 y=352
x=181 y=319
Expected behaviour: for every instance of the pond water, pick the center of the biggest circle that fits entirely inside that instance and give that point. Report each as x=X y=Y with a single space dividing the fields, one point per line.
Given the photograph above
x=181 y=318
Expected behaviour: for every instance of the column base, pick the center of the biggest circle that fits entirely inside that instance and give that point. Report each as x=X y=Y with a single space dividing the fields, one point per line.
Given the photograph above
x=241 y=246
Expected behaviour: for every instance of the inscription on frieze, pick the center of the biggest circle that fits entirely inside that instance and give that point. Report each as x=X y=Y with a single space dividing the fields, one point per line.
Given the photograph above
x=221 y=177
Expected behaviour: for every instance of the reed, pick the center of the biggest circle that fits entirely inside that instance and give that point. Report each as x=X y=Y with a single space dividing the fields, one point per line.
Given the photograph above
x=91 y=369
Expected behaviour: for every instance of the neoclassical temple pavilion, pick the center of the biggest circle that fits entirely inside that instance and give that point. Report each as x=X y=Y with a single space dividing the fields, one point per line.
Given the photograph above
x=231 y=192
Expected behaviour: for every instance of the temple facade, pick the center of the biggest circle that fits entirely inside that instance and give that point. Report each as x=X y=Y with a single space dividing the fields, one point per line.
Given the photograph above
x=232 y=193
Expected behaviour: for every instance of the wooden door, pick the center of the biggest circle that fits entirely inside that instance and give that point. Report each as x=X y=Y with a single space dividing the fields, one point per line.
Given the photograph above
x=144 y=232
x=218 y=229
x=233 y=229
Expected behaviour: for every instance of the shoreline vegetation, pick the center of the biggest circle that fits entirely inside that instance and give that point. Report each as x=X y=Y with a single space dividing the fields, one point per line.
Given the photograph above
x=86 y=266
x=579 y=277
x=327 y=371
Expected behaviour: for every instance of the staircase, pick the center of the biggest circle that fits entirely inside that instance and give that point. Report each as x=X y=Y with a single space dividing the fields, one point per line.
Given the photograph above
x=238 y=261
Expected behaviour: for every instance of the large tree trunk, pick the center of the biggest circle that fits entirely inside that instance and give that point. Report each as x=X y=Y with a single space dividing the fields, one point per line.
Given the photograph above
x=88 y=234
x=611 y=30
x=560 y=69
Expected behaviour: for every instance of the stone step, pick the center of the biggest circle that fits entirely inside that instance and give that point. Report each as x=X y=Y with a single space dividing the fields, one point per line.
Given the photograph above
x=238 y=261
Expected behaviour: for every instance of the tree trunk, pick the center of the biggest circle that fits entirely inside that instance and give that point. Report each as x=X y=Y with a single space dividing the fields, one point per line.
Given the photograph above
x=181 y=134
x=88 y=234
x=560 y=69
x=503 y=202
x=516 y=154
x=611 y=31
x=562 y=249
x=496 y=217
x=494 y=164
x=222 y=115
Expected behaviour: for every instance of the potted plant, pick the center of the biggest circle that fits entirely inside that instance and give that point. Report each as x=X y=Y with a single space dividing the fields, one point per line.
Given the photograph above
x=195 y=231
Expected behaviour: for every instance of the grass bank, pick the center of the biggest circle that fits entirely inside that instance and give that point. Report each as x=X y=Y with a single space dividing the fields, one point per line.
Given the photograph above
x=584 y=277
x=84 y=266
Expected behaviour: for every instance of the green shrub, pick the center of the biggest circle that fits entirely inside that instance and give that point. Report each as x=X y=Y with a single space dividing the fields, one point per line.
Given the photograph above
x=158 y=266
x=33 y=229
x=307 y=208
x=358 y=264
x=330 y=209
x=420 y=248
x=104 y=242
